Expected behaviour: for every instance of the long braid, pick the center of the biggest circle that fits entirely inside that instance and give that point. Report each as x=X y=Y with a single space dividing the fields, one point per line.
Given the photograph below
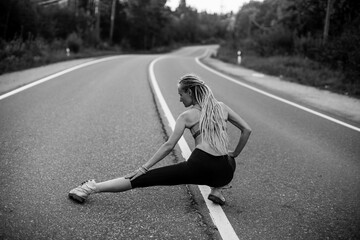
x=212 y=122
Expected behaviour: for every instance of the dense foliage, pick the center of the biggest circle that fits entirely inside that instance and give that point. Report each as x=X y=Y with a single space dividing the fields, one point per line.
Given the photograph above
x=138 y=24
x=297 y=28
x=32 y=32
x=294 y=33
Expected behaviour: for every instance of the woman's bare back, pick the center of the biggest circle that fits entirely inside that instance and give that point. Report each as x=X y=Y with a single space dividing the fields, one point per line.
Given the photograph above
x=193 y=118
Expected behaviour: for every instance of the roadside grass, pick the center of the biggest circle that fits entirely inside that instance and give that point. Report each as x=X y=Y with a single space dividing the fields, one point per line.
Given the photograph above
x=19 y=55
x=18 y=63
x=295 y=69
x=14 y=63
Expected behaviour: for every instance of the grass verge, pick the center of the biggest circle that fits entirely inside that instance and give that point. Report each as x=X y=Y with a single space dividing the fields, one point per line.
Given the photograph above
x=296 y=69
x=20 y=55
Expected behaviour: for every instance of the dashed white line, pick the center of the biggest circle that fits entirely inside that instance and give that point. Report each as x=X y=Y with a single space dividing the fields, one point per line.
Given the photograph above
x=217 y=214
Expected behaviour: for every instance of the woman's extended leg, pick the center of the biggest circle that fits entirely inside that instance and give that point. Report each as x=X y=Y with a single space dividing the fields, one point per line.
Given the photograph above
x=115 y=185
x=200 y=169
x=168 y=175
x=82 y=192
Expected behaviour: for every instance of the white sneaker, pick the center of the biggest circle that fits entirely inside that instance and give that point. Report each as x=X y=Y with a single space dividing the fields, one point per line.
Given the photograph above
x=81 y=193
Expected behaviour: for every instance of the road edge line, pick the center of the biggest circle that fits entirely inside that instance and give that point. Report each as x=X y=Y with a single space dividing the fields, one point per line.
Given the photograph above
x=216 y=212
x=62 y=72
x=276 y=97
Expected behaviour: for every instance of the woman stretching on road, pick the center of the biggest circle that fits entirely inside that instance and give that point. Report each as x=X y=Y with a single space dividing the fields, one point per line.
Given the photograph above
x=210 y=163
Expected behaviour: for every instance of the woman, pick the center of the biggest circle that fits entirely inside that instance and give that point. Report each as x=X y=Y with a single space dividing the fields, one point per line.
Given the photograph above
x=209 y=164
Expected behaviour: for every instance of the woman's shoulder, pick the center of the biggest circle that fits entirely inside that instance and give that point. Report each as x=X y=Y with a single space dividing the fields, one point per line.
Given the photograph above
x=225 y=109
x=223 y=105
x=190 y=112
x=190 y=116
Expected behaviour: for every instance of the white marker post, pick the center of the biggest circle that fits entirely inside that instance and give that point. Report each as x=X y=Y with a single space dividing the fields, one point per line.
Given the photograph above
x=239 y=57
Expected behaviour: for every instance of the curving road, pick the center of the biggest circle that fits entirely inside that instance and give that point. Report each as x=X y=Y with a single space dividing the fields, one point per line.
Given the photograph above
x=298 y=177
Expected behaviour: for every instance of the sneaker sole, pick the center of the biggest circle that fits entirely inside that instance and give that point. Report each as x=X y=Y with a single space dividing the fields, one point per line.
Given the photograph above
x=76 y=198
x=216 y=200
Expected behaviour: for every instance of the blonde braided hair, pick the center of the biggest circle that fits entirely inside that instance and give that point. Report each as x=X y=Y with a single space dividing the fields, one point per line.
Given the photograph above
x=212 y=122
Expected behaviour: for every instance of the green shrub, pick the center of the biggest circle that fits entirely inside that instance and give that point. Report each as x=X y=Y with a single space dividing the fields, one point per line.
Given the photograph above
x=277 y=41
x=340 y=53
x=308 y=46
x=74 y=43
x=298 y=69
x=58 y=45
x=18 y=54
x=226 y=54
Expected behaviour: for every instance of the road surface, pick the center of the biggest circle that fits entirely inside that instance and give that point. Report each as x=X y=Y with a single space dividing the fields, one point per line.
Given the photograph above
x=298 y=177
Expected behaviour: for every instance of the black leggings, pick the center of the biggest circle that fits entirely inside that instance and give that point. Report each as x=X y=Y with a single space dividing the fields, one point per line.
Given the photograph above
x=201 y=168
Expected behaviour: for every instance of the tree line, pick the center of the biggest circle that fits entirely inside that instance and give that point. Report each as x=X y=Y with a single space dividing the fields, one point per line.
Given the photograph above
x=326 y=31
x=35 y=32
x=137 y=24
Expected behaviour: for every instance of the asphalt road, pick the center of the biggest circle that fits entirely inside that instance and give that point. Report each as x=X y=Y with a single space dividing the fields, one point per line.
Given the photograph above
x=298 y=177
x=97 y=122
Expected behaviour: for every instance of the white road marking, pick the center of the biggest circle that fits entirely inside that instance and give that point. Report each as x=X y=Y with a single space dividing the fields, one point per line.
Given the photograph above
x=216 y=212
x=56 y=75
x=278 y=98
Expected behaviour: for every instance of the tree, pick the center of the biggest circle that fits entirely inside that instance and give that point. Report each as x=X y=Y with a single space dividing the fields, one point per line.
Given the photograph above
x=18 y=18
x=327 y=20
x=147 y=18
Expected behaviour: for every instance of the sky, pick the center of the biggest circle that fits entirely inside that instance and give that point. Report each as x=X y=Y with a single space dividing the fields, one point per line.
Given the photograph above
x=211 y=6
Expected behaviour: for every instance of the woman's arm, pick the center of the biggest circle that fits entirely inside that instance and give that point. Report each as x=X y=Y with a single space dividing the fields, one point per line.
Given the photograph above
x=245 y=129
x=168 y=146
x=164 y=149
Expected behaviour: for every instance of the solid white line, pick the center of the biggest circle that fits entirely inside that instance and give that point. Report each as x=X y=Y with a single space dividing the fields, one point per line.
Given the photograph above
x=217 y=214
x=56 y=75
x=278 y=98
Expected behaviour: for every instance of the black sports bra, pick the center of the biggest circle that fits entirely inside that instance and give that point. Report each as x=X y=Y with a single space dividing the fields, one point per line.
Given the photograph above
x=195 y=130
